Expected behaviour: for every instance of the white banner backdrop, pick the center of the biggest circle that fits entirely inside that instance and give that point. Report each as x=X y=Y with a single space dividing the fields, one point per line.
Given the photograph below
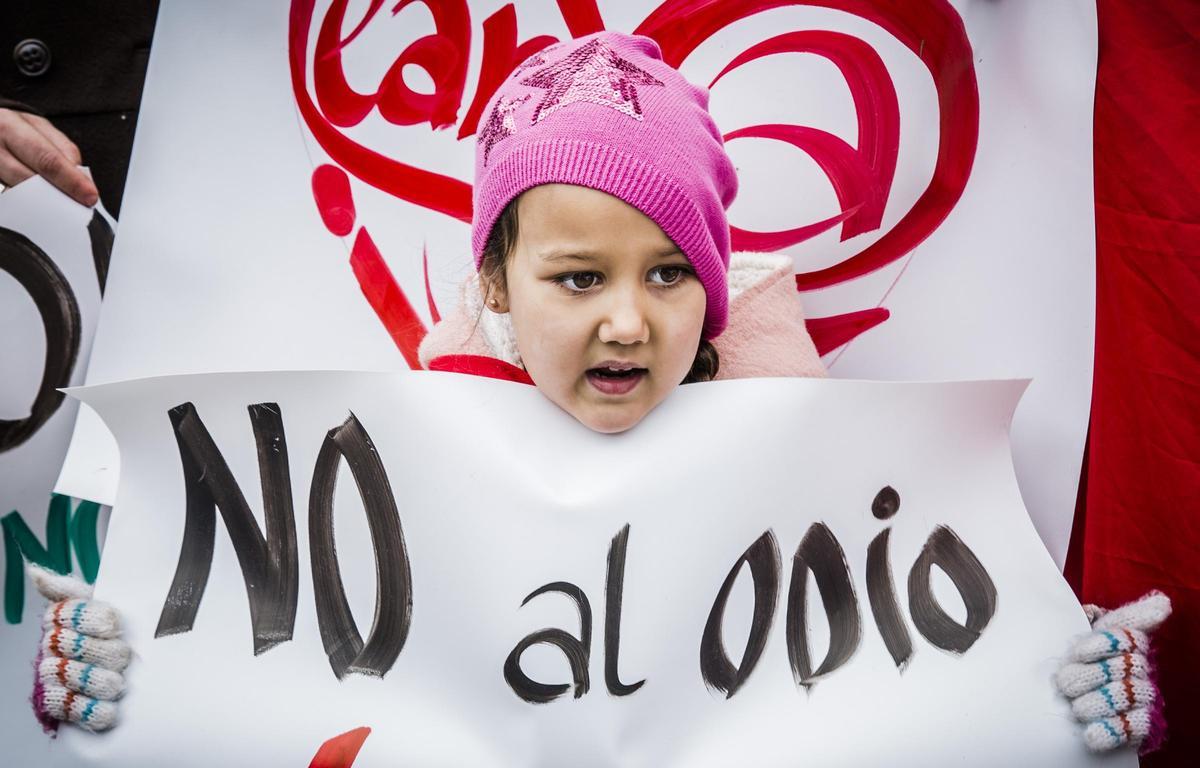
x=53 y=253
x=710 y=588
x=294 y=159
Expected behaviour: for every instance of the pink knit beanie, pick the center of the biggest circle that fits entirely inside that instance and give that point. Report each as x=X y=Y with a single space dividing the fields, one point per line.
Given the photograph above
x=606 y=112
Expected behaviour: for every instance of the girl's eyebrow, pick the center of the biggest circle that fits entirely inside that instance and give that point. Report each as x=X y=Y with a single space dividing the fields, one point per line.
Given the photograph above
x=568 y=255
x=576 y=254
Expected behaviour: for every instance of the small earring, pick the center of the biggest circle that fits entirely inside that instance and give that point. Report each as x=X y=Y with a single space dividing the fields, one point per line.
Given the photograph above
x=493 y=303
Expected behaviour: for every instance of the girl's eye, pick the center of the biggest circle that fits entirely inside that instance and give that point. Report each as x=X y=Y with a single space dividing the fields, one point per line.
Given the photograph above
x=578 y=281
x=671 y=275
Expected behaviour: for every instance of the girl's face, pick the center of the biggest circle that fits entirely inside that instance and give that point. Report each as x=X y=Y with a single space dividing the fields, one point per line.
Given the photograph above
x=607 y=312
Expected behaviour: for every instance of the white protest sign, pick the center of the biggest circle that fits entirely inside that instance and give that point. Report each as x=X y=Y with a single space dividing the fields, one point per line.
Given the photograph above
x=698 y=591
x=53 y=256
x=927 y=164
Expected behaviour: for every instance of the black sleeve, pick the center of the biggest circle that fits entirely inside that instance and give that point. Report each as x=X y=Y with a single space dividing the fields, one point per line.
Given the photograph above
x=18 y=106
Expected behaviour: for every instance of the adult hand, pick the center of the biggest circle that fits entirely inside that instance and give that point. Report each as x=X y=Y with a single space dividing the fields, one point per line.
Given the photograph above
x=82 y=656
x=30 y=145
x=1110 y=681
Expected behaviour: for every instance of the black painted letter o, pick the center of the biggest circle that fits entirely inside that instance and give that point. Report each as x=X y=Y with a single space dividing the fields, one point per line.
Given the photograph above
x=52 y=295
x=976 y=588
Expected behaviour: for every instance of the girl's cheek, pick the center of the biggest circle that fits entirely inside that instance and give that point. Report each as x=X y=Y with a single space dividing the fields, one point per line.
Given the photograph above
x=683 y=311
x=551 y=344
x=686 y=331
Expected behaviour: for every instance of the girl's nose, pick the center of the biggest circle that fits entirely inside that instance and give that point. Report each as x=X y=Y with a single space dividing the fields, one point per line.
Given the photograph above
x=625 y=320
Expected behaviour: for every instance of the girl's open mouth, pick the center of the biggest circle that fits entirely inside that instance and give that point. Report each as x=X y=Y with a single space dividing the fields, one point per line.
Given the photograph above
x=615 y=379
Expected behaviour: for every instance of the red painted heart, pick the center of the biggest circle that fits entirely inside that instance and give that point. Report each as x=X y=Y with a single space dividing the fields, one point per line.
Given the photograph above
x=861 y=175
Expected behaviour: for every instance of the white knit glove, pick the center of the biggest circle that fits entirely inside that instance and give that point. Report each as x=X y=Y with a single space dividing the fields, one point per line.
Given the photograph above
x=81 y=658
x=1109 y=680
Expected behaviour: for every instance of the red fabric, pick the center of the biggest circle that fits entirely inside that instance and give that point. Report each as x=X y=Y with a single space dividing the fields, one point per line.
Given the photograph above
x=480 y=365
x=1138 y=523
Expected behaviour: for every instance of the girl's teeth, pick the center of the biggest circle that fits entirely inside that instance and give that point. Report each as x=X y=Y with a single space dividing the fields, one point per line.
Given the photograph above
x=614 y=373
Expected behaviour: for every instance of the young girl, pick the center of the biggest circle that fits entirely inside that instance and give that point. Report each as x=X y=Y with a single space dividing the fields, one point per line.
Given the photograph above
x=601 y=184
x=605 y=279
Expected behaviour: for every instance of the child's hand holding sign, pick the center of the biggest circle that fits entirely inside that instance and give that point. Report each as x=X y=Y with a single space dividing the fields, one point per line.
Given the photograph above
x=82 y=656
